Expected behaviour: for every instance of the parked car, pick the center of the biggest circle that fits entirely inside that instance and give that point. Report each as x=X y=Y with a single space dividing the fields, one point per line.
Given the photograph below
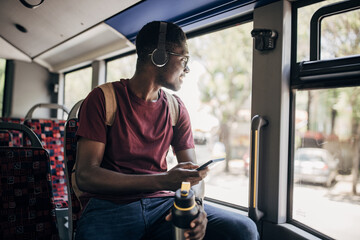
x=315 y=165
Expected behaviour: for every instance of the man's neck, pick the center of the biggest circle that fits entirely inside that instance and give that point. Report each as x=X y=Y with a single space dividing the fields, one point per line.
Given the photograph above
x=144 y=87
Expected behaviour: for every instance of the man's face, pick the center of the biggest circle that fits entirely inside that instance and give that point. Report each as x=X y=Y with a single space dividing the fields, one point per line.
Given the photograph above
x=172 y=75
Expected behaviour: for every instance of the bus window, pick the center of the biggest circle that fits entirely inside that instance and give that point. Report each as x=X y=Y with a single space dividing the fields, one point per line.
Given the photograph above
x=326 y=159
x=77 y=86
x=340 y=35
x=121 y=68
x=303 y=29
x=326 y=146
x=217 y=95
x=2 y=82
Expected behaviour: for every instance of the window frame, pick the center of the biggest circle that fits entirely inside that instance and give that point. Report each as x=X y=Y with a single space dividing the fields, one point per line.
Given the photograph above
x=316 y=74
x=306 y=74
x=8 y=88
x=315 y=24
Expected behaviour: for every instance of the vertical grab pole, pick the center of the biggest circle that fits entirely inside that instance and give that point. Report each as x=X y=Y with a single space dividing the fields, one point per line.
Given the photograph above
x=257 y=123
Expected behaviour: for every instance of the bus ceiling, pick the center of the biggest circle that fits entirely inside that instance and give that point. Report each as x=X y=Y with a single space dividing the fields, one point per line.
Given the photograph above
x=60 y=35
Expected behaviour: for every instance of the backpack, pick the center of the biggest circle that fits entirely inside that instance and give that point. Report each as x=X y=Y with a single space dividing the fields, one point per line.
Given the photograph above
x=110 y=106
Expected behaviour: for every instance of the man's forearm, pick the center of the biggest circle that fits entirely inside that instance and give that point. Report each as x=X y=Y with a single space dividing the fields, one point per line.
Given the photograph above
x=96 y=179
x=104 y=181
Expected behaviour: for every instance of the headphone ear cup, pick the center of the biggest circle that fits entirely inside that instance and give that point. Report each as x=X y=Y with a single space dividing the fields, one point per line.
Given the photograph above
x=159 y=57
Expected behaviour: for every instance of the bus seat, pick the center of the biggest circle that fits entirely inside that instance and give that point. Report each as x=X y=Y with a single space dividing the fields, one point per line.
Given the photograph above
x=28 y=210
x=71 y=127
x=70 y=158
x=51 y=135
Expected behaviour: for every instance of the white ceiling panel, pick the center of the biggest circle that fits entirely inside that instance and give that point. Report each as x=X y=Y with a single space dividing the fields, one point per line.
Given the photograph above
x=96 y=43
x=8 y=51
x=53 y=22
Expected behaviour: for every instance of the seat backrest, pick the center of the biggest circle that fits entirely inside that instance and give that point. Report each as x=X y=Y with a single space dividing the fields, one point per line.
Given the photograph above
x=51 y=135
x=70 y=158
x=28 y=210
x=70 y=142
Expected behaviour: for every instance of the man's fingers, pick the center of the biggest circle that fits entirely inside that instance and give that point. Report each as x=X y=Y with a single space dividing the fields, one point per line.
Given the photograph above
x=168 y=217
x=198 y=227
x=188 y=165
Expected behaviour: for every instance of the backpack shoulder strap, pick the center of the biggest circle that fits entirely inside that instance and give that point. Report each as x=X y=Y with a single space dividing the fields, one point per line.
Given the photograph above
x=110 y=102
x=173 y=107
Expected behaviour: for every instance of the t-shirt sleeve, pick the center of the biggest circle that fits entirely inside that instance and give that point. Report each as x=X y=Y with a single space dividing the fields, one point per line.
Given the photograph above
x=183 y=138
x=92 y=117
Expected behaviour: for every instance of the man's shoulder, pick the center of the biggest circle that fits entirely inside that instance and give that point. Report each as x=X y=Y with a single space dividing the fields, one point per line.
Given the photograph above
x=95 y=95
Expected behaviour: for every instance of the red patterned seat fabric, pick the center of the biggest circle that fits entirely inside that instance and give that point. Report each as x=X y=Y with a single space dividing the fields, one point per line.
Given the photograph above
x=13 y=138
x=27 y=209
x=6 y=138
x=51 y=135
x=70 y=148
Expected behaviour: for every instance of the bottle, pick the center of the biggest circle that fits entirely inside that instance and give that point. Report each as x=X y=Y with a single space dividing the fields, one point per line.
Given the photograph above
x=184 y=210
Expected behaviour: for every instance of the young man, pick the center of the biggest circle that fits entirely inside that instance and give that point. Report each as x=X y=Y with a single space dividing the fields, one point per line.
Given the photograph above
x=122 y=168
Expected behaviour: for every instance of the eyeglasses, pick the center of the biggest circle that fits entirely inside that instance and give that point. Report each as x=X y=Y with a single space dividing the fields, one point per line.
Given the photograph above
x=184 y=60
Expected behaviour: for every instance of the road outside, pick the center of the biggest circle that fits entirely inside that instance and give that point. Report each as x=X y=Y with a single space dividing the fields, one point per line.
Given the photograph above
x=334 y=211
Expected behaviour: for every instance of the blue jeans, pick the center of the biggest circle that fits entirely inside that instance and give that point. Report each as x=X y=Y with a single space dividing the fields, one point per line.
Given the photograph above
x=145 y=220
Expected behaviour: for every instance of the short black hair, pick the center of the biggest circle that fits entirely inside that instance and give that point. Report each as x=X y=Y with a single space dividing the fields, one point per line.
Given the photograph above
x=148 y=37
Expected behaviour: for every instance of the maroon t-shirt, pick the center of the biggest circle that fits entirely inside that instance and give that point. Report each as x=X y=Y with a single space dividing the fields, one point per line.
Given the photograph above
x=138 y=140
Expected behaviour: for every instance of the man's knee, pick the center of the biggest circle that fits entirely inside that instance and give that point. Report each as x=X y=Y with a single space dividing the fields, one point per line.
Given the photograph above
x=229 y=225
x=250 y=229
x=244 y=228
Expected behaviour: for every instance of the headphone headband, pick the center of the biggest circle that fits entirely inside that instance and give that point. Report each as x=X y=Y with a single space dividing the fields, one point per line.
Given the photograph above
x=159 y=56
x=162 y=36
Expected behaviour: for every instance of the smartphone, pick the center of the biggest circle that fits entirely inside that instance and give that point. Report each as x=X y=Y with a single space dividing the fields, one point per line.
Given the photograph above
x=210 y=162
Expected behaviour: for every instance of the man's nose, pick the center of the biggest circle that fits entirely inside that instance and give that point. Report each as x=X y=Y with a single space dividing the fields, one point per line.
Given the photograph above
x=187 y=69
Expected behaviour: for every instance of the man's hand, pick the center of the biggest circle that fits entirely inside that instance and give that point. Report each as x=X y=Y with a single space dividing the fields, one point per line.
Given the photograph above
x=197 y=226
x=185 y=172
